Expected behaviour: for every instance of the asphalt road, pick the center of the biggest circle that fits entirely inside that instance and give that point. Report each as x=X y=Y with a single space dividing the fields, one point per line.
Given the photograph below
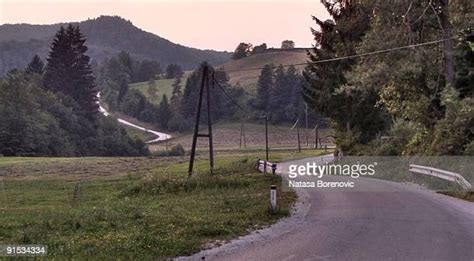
x=160 y=136
x=389 y=221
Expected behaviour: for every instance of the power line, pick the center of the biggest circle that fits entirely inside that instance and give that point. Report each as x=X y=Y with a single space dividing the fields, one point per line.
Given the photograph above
x=241 y=108
x=228 y=96
x=343 y=57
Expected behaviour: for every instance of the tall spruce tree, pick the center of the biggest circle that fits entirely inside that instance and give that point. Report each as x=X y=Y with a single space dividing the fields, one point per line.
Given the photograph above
x=279 y=95
x=188 y=102
x=68 y=70
x=176 y=95
x=164 y=112
x=35 y=66
x=336 y=38
x=264 y=89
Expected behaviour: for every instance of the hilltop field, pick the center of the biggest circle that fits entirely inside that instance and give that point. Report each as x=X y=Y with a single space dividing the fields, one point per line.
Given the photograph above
x=246 y=79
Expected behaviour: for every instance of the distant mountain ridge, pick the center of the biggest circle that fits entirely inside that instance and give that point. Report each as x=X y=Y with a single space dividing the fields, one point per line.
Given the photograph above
x=106 y=36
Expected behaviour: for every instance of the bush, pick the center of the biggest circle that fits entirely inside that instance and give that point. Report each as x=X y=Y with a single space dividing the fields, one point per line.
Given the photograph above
x=401 y=134
x=177 y=150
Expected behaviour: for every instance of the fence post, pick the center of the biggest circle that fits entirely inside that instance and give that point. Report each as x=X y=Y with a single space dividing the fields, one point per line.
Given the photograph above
x=258 y=164
x=273 y=198
x=274 y=168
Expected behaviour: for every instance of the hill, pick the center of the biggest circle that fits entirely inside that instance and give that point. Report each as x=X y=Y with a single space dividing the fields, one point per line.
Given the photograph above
x=106 y=36
x=248 y=78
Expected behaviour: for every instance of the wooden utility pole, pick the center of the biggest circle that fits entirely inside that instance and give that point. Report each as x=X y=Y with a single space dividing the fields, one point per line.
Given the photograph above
x=298 y=132
x=242 y=135
x=204 y=87
x=316 y=134
x=306 y=123
x=266 y=138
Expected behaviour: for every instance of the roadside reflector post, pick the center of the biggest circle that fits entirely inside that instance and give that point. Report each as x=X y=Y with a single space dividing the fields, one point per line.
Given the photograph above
x=273 y=198
x=274 y=168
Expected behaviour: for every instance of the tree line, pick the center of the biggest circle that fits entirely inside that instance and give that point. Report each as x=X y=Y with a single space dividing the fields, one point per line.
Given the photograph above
x=279 y=96
x=52 y=110
x=421 y=98
x=173 y=113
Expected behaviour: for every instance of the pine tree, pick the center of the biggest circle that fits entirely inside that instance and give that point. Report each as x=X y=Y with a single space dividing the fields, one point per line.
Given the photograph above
x=164 y=112
x=68 y=70
x=187 y=106
x=176 y=96
x=152 y=91
x=59 y=64
x=174 y=71
x=264 y=89
x=35 y=66
x=335 y=38
x=279 y=95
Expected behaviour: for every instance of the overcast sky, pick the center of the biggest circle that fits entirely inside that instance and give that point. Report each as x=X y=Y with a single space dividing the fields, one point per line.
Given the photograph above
x=210 y=24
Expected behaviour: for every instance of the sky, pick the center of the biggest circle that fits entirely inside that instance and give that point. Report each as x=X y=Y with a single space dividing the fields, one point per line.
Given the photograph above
x=209 y=24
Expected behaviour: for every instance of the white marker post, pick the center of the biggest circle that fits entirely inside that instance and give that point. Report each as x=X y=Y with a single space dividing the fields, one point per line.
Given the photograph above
x=273 y=198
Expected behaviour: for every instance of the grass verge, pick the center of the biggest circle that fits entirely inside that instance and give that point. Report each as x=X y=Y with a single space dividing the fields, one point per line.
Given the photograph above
x=146 y=213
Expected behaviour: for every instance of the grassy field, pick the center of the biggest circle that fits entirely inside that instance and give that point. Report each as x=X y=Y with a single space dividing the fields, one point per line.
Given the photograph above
x=226 y=136
x=164 y=86
x=134 y=208
x=139 y=134
x=248 y=78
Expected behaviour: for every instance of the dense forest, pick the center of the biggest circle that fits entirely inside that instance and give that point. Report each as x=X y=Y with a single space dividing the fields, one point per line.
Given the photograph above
x=52 y=110
x=279 y=95
x=419 y=97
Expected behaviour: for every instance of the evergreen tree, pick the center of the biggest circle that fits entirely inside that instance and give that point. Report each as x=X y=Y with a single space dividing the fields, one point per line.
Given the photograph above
x=59 y=66
x=295 y=105
x=264 y=89
x=164 y=112
x=279 y=95
x=174 y=71
x=68 y=70
x=147 y=70
x=188 y=102
x=152 y=91
x=176 y=95
x=35 y=66
x=335 y=38
x=129 y=66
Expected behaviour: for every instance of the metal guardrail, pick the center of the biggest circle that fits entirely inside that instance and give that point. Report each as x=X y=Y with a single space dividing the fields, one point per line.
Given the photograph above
x=266 y=165
x=442 y=174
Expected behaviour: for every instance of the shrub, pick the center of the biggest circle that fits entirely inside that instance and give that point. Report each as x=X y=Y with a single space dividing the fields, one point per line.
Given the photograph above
x=401 y=134
x=177 y=150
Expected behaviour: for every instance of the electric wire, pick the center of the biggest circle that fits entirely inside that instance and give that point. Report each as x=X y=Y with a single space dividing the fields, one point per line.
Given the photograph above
x=411 y=46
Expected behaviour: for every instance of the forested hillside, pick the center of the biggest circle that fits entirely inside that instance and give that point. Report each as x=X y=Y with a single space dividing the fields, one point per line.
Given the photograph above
x=107 y=36
x=51 y=109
